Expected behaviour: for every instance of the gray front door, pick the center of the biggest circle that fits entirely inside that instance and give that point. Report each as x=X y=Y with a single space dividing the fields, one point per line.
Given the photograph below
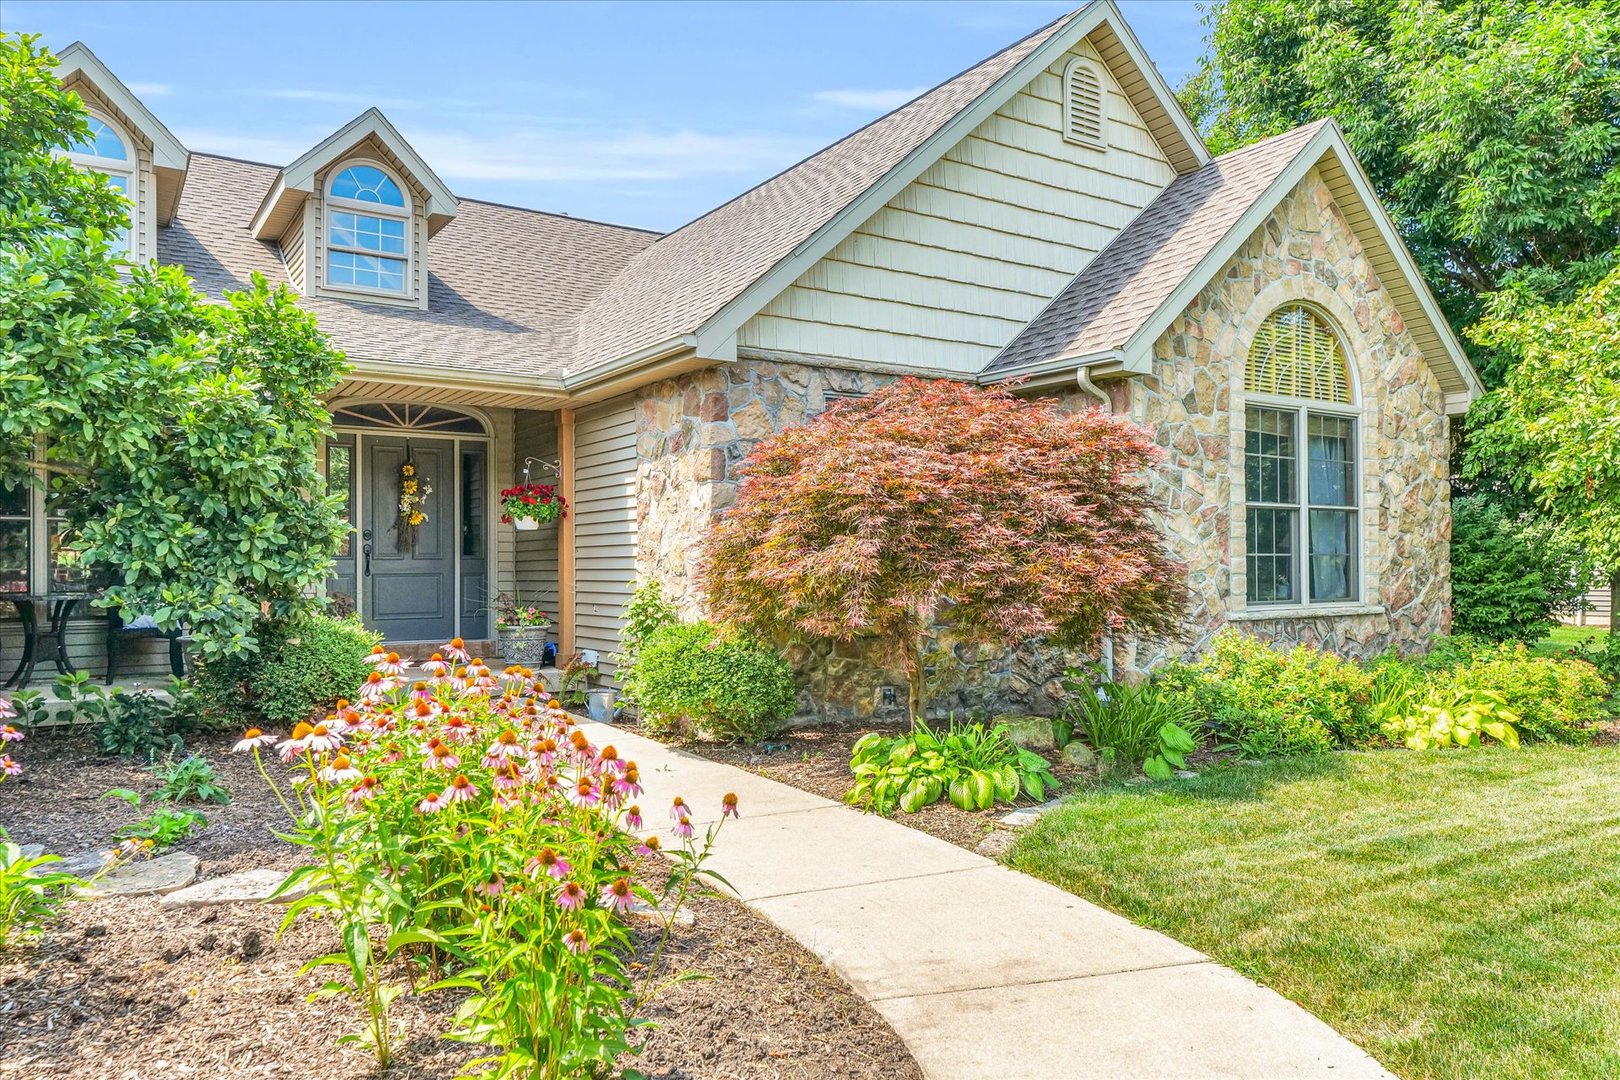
x=409 y=592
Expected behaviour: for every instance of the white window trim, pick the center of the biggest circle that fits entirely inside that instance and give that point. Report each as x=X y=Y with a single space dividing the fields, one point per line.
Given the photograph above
x=127 y=168
x=1066 y=92
x=330 y=202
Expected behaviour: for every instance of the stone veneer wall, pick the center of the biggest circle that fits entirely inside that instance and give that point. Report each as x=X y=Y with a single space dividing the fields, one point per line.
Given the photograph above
x=695 y=430
x=1194 y=402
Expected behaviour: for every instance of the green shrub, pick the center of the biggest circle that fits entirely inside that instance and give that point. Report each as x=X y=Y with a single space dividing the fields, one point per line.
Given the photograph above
x=1455 y=717
x=1555 y=700
x=303 y=666
x=1146 y=725
x=690 y=678
x=1509 y=579
x=1264 y=701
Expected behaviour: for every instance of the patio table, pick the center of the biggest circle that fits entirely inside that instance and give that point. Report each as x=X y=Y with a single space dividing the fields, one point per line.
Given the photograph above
x=59 y=605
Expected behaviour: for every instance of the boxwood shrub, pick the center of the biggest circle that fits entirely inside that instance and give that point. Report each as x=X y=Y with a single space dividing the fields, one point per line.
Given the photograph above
x=692 y=679
x=304 y=664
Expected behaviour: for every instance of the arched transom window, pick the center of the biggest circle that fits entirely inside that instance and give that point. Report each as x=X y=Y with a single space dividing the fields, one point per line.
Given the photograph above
x=367 y=224
x=107 y=153
x=1300 y=463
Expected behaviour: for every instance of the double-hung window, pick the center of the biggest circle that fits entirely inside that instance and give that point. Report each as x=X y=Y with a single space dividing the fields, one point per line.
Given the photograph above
x=1300 y=464
x=368 y=222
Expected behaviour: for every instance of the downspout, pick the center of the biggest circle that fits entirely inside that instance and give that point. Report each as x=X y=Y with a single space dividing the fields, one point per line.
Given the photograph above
x=1082 y=377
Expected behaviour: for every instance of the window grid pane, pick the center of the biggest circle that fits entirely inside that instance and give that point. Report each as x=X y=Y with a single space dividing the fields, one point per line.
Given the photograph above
x=1332 y=454
x=1332 y=554
x=363 y=232
x=1271 y=555
x=366 y=271
x=1270 y=460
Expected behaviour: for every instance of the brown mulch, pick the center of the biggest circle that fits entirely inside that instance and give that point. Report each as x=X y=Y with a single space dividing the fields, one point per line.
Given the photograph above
x=817 y=760
x=126 y=989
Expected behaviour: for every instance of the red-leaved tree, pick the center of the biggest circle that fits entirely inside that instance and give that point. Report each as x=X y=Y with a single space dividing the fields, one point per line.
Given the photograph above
x=936 y=503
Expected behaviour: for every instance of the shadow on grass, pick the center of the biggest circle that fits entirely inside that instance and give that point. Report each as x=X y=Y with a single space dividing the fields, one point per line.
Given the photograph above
x=1229 y=781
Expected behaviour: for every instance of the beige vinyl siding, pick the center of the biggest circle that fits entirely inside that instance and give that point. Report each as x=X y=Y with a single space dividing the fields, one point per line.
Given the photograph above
x=604 y=523
x=293 y=250
x=535 y=552
x=1599 y=610
x=503 y=543
x=947 y=272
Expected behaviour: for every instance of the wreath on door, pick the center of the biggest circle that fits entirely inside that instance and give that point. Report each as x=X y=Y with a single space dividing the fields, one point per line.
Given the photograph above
x=413 y=495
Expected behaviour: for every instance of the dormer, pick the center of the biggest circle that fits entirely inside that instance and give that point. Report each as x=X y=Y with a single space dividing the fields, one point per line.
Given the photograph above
x=353 y=216
x=128 y=145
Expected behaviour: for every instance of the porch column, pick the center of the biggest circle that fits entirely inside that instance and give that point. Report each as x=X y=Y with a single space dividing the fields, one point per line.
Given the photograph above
x=565 y=536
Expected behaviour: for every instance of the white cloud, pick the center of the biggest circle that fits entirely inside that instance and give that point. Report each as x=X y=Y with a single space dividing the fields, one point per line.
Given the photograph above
x=150 y=89
x=867 y=100
x=338 y=97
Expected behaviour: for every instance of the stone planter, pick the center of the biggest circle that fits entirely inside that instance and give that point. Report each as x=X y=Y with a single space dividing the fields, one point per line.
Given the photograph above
x=525 y=524
x=523 y=644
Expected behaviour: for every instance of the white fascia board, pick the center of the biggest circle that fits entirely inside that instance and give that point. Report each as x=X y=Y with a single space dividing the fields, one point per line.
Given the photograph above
x=575 y=380
x=1150 y=71
x=456 y=378
x=298 y=178
x=1060 y=365
x=167 y=152
x=729 y=319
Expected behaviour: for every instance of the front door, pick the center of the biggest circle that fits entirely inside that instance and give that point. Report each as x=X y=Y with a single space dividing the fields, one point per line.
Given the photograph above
x=409 y=591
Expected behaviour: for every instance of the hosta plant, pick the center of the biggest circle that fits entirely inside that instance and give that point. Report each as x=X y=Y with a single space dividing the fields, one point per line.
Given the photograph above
x=1147 y=724
x=458 y=821
x=1464 y=718
x=974 y=766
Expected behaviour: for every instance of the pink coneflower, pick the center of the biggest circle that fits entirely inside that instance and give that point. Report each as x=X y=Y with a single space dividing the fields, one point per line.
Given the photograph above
x=576 y=943
x=295 y=743
x=618 y=896
x=546 y=751
x=374 y=688
x=728 y=805
x=6 y=711
x=505 y=777
x=363 y=792
x=678 y=809
x=435 y=666
x=392 y=666
x=456 y=651
x=649 y=846
x=431 y=804
x=339 y=770
x=440 y=756
x=322 y=740
x=505 y=746
x=421 y=690
x=493 y=887
x=587 y=794
x=632 y=818
x=683 y=828
x=571 y=897
x=376 y=656
x=10 y=734
x=460 y=790
x=8 y=766
x=608 y=758
x=550 y=862
x=457 y=728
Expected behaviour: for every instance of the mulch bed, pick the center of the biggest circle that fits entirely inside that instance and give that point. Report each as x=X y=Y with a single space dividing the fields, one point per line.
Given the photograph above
x=126 y=989
x=817 y=760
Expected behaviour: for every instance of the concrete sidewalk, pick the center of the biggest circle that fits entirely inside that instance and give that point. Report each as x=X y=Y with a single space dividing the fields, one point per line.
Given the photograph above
x=985 y=973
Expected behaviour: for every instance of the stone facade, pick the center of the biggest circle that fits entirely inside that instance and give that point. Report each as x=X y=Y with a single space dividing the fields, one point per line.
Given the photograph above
x=1194 y=403
x=694 y=432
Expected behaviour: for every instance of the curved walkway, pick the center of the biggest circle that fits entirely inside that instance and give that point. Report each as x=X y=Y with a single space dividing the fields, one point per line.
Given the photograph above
x=985 y=973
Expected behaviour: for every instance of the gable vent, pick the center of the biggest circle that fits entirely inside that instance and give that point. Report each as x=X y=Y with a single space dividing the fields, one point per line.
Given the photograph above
x=1083 y=104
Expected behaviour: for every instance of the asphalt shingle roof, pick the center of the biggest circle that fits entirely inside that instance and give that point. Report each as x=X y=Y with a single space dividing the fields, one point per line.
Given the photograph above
x=505 y=286
x=1119 y=290
x=675 y=285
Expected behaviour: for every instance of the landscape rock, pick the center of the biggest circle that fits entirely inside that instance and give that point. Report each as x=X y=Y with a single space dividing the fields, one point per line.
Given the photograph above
x=997 y=844
x=1185 y=774
x=640 y=909
x=84 y=864
x=32 y=851
x=1027 y=815
x=1029 y=732
x=1079 y=755
x=154 y=877
x=247 y=887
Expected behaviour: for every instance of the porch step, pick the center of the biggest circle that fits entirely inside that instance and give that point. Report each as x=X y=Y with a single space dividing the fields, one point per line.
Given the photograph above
x=416 y=651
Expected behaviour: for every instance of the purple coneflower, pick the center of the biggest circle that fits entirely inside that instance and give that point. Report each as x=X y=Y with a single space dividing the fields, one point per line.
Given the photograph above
x=8 y=766
x=493 y=887
x=632 y=818
x=677 y=809
x=10 y=734
x=431 y=804
x=460 y=790
x=683 y=828
x=728 y=805
x=362 y=792
x=618 y=896
x=575 y=941
x=571 y=897
x=339 y=770
x=551 y=862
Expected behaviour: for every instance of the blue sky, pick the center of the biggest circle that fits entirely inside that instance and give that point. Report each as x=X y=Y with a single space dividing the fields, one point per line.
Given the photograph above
x=643 y=114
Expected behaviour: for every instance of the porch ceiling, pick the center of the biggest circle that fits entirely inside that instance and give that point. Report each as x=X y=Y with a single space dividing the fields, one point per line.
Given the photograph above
x=490 y=396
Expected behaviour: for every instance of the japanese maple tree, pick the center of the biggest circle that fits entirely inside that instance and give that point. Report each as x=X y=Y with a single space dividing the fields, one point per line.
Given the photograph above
x=936 y=504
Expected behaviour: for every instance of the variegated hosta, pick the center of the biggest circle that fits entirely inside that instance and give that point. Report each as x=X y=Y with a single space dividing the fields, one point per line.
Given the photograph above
x=461 y=820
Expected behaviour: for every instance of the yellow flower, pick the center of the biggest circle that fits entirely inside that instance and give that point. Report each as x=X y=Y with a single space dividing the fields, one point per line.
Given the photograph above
x=407 y=470
x=409 y=487
x=417 y=518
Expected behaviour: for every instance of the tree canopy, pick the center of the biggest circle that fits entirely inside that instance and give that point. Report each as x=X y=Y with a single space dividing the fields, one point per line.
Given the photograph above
x=1491 y=128
x=932 y=504
x=181 y=435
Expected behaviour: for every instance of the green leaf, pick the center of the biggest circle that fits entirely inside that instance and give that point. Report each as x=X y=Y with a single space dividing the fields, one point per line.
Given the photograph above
x=1157 y=768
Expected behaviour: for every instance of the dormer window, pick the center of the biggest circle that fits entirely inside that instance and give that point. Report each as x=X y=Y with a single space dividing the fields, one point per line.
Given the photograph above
x=367 y=219
x=106 y=152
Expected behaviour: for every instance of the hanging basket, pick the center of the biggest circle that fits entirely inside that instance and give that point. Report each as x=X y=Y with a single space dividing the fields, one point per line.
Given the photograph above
x=525 y=524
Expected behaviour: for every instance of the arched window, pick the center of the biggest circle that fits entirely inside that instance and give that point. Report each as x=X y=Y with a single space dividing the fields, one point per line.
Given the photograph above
x=367 y=219
x=1301 y=485
x=1084 y=104
x=107 y=153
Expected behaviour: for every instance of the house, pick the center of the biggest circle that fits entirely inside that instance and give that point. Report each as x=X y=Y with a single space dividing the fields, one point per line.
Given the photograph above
x=1049 y=215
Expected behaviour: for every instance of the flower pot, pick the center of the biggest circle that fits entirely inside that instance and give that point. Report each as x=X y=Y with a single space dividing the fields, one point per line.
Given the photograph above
x=524 y=645
x=600 y=706
x=525 y=524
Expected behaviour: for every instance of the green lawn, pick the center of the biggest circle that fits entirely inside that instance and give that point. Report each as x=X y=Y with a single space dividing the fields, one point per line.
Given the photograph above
x=1564 y=637
x=1455 y=913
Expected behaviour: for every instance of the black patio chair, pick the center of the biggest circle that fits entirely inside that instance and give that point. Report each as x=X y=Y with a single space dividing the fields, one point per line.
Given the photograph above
x=119 y=631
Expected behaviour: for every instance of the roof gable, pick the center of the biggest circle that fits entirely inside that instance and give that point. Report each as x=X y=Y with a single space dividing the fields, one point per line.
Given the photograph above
x=296 y=181
x=1116 y=308
x=698 y=285
x=76 y=66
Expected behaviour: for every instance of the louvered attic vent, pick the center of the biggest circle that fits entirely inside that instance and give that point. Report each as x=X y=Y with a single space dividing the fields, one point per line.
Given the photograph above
x=1083 y=104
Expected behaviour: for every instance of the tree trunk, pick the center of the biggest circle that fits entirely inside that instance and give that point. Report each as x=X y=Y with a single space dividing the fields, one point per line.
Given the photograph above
x=917 y=699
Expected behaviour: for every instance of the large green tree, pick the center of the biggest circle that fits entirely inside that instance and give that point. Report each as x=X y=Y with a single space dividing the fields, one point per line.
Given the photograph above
x=179 y=435
x=1490 y=128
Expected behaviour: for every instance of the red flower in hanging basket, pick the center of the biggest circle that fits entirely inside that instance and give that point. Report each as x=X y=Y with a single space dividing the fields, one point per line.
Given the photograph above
x=532 y=502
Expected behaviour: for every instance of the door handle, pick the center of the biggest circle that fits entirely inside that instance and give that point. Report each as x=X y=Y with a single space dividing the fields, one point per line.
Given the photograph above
x=365 y=550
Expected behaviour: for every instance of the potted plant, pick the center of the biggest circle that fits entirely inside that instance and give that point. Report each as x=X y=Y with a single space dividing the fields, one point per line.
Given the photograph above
x=522 y=629
x=527 y=505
